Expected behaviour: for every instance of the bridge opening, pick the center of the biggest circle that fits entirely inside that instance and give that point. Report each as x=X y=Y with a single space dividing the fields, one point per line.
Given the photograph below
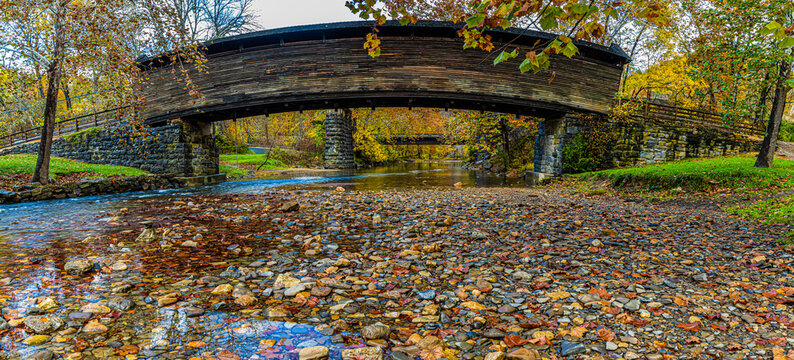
x=358 y=137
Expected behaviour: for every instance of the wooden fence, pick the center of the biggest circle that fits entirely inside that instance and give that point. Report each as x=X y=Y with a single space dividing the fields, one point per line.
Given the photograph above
x=63 y=127
x=668 y=114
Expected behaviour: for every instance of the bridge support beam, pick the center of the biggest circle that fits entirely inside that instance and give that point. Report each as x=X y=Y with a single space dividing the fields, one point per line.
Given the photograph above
x=339 y=127
x=548 y=146
x=197 y=143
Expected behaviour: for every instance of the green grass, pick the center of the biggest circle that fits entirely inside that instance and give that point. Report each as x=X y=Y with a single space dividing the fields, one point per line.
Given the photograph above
x=26 y=164
x=736 y=172
x=233 y=171
x=773 y=211
x=253 y=160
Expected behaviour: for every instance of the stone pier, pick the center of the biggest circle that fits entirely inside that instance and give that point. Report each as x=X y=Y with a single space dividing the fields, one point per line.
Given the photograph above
x=548 y=146
x=339 y=127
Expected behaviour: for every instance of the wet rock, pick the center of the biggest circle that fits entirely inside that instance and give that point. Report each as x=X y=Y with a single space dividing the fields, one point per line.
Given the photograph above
x=189 y=243
x=285 y=281
x=368 y=353
x=222 y=289
x=121 y=304
x=192 y=311
x=294 y=290
x=95 y=308
x=496 y=355
x=166 y=300
x=119 y=266
x=702 y=277
x=47 y=304
x=426 y=294
x=632 y=305
x=46 y=354
x=291 y=206
x=94 y=327
x=320 y=291
x=611 y=346
x=342 y=262
x=523 y=354
x=81 y=316
x=522 y=276
x=568 y=348
x=245 y=300
x=313 y=353
x=78 y=267
x=494 y=334
x=36 y=340
x=43 y=324
x=375 y=331
x=147 y=235
x=4 y=324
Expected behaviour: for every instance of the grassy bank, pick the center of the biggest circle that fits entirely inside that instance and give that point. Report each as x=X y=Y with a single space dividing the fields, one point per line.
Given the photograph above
x=763 y=194
x=248 y=165
x=734 y=173
x=18 y=169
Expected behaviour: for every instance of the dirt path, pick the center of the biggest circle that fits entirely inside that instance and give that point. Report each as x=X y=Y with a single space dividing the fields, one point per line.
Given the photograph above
x=785 y=149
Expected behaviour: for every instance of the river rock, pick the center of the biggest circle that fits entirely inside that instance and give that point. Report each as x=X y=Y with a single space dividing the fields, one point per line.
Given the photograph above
x=121 y=304
x=222 y=289
x=291 y=206
x=285 y=281
x=368 y=353
x=494 y=334
x=119 y=266
x=147 y=235
x=43 y=324
x=78 y=267
x=94 y=327
x=523 y=354
x=245 y=300
x=95 y=308
x=313 y=353
x=320 y=291
x=294 y=290
x=45 y=354
x=47 y=303
x=36 y=340
x=4 y=324
x=632 y=305
x=496 y=355
x=375 y=331
x=568 y=348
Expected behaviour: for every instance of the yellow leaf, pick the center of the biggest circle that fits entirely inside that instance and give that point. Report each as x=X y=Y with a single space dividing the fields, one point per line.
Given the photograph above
x=559 y=295
x=578 y=331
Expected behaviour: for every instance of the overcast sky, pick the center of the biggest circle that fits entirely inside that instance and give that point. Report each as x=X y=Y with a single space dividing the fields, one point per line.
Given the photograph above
x=282 y=13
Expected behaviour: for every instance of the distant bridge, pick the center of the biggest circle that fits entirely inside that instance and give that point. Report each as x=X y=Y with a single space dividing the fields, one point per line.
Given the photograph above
x=423 y=139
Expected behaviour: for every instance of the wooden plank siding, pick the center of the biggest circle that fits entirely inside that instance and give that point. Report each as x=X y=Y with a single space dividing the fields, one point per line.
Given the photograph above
x=420 y=71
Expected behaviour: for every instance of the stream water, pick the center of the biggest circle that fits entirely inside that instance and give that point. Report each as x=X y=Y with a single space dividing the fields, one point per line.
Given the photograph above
x=36 y=239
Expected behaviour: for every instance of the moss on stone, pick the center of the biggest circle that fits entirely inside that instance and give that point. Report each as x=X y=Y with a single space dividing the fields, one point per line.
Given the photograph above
x=83 y=136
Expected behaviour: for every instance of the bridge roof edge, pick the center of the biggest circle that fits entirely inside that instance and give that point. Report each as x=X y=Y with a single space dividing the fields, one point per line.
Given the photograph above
x=613 y=54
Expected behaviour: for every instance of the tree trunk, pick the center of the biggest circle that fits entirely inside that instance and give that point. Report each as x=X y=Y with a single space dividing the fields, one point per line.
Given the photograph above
x=769 y=146
x=42 y=173
x=66 y=96
x=762 y=100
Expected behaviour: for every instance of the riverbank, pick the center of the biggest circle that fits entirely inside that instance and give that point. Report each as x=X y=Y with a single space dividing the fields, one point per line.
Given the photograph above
x=17 y=170
x=731 y=184
x=448 y=272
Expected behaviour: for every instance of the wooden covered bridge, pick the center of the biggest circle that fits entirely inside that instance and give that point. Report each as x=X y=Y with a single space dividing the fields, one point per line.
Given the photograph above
x=325 y=67
x=422 y=65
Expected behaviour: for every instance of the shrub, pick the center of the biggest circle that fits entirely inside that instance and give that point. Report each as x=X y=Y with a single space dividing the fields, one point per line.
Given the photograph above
x=787 y=131
x=577 y=158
